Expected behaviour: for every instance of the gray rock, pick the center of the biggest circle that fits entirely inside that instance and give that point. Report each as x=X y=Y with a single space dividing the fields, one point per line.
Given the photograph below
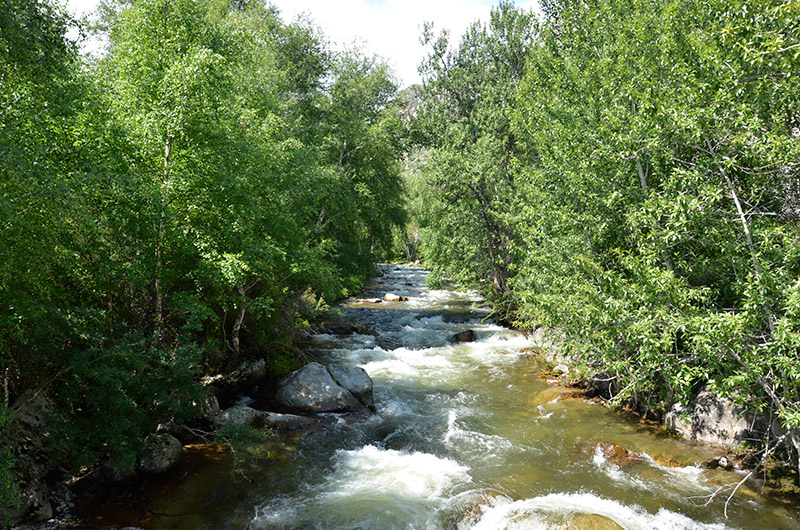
x=244 y=415
x=291 y=422
x=561 y=369
x=356 y=381
x=709 y=418
x=210 y=406
x=236 y=416
x=34 y=500
x=161 y=453
x=311 y=390
x=463 y=336
x=245 y=376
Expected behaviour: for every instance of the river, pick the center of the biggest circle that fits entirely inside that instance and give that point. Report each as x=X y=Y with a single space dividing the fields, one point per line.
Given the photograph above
x=466 y=436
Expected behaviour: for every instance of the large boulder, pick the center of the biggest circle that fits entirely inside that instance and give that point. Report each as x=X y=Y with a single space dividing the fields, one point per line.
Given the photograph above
x=161 y=453
x=709 y=418
x=356 y=381
x=311 y=390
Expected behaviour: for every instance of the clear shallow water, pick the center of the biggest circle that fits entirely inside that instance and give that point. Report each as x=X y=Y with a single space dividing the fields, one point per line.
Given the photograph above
x=466 y=436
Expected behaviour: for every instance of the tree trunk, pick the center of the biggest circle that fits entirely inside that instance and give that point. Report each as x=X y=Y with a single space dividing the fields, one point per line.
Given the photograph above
x=748 y=236
x=237 y=324
x=158 y=316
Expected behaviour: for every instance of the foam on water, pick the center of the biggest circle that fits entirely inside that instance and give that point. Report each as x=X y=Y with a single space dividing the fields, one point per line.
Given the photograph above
x=372 y=471
x=474 y=444
x=556 y=510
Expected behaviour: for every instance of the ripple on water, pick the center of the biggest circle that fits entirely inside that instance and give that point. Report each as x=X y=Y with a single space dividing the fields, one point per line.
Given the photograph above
x=562 y=510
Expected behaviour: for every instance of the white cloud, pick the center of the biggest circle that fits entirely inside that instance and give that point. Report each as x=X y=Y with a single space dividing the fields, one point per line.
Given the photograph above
x=389 y=28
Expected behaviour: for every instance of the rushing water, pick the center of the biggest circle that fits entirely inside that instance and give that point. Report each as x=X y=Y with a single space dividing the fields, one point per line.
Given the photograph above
x=465 y=436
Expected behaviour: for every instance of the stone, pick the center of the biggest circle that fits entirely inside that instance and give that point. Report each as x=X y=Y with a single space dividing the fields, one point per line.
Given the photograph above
x=712 y=419
x=356 y=381
x=592 y=521
x=244 y=415
x=35 y=453
x=391 y=297
x=245 y=376
x=561 y=369
x=615 y=453
x=719 y=462
x=601 y=385
x=311 y=390
x=236 y=416
x=34 y=502
x=463 y=336
x=161 y=453
x=210 y=406
x=290 y=422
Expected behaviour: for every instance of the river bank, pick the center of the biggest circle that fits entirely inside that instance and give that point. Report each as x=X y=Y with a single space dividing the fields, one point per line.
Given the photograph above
x=473 y=434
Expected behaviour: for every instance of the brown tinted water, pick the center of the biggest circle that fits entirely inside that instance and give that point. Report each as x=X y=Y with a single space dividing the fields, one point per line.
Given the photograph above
x=465 y=436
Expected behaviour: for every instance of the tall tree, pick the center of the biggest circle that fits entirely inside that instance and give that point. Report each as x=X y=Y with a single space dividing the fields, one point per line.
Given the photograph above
x=468 y=183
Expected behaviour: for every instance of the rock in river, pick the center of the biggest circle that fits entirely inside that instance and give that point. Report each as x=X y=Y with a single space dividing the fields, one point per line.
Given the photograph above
x=464 y=336
x=161 y=453
x=311 y=389
x=355 y=380
x=242 y=414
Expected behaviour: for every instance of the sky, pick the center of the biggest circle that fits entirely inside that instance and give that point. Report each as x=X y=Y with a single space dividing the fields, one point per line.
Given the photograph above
x=388 y=28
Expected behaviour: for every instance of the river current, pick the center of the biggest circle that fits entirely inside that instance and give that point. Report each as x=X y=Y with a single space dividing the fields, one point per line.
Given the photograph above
x=466 y=436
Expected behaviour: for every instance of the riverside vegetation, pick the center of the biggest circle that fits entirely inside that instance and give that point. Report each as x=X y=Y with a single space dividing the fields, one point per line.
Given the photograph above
x=623 y=173
x=189 y=199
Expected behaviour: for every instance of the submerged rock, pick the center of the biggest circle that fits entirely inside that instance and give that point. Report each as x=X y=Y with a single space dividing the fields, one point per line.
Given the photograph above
x=346 y=329
x=593 y=521
x=616 y=454
x=161 y=453
x=311 y=390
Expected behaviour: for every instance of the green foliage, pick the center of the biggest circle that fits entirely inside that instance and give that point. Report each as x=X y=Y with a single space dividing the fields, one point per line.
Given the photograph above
x=241 y=438
x=193 y=196
x=648 y=209
x=464 y=188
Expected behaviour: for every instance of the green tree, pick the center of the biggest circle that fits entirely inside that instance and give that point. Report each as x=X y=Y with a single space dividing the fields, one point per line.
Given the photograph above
x=468 y=182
